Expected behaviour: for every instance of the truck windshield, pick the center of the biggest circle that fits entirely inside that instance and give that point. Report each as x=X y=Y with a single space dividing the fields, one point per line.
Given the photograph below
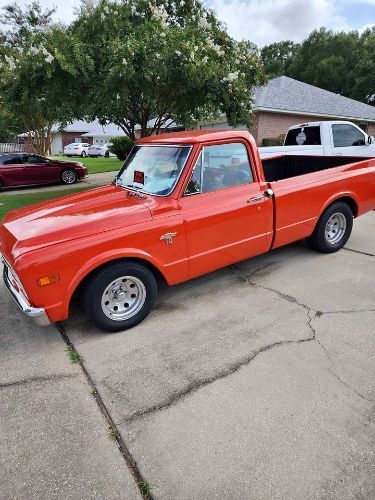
x=303 y=136
x=153 y=169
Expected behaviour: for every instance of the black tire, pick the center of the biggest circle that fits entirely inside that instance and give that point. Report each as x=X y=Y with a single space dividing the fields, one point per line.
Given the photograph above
x=320 y=241
x=106 y=154
x=94 y=295
x=1 y=185
x=68 y=176
x=83 y=154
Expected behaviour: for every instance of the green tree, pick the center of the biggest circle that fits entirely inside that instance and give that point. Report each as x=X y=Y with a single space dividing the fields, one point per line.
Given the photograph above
x=42 y=73
x=364 y=85
x=276 y=57
x=165 y=60
x=329 y=60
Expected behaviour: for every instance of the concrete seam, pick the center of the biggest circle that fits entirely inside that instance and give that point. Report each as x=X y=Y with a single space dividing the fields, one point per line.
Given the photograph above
x=129 y=460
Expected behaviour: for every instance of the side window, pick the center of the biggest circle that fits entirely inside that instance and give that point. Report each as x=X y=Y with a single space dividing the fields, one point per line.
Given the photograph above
x=220 y=167
x=33 y=159
x=303 y=136
x=10 y=160
x=347 y=135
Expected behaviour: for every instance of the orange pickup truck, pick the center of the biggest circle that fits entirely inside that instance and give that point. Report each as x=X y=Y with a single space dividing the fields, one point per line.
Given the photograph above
x=182 y=205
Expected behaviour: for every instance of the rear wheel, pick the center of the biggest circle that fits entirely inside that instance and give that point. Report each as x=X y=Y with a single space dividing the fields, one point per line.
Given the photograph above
x=1 y=185
x=120 y=296
x=68 y=176
x=333 y=229
x=83 y=154
x=106 y=154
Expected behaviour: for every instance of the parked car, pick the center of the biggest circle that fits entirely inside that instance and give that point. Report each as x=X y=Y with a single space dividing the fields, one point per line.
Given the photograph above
x=100 y=150
x=192 y=203
x=330 y=138
x=77 y=149
x=23 y=169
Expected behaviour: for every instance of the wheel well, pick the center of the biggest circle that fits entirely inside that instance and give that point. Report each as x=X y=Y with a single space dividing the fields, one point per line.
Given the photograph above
x=349 y=201
x=80 y=287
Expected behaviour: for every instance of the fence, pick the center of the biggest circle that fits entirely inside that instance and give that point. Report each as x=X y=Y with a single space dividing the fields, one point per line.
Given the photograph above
x=9 y=147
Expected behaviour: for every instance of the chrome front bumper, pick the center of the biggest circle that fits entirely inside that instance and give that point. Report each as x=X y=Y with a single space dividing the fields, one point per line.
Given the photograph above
x=37 y=314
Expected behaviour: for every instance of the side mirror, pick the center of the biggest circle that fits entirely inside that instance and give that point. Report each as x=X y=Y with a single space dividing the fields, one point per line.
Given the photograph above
x=370 y=140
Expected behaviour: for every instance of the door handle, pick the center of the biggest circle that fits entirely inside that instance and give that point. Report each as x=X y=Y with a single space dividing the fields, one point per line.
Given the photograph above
x=256 y=199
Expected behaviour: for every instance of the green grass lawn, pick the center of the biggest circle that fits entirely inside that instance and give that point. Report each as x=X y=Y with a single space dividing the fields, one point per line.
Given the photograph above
x=94 y=165
x=11 y=202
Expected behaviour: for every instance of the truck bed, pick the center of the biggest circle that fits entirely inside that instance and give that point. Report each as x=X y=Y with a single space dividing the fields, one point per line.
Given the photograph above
x=284 y=167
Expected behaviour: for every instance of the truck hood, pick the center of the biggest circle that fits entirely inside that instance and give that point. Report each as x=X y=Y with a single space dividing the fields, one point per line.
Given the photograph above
x=68 y=218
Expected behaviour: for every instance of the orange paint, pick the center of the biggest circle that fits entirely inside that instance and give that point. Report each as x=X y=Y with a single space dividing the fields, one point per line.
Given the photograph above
x=72 y=236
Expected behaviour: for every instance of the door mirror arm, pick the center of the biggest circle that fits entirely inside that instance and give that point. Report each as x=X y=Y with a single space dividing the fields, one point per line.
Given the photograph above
x=370 y=140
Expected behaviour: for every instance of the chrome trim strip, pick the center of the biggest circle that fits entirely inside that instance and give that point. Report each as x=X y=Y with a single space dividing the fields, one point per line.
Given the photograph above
x=37 y=314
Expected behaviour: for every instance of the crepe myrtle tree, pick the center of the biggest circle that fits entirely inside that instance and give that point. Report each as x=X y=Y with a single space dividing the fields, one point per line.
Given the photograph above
x=166 y=61
x=42 y=73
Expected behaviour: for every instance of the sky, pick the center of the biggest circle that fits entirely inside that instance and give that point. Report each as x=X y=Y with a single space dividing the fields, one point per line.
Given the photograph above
x=267 y=21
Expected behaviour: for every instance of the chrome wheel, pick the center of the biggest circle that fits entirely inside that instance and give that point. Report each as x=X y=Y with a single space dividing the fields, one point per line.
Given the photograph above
x=68 y=177
x=335 y=228
x=123 y=298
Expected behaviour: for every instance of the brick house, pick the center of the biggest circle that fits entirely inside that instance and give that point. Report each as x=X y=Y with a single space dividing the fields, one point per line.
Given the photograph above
x=284 y=102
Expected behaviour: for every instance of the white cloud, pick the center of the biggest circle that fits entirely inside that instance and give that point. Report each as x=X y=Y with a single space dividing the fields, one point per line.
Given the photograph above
x=267 y=21
x=64 y=12
x=261 y=21
x=365 y=27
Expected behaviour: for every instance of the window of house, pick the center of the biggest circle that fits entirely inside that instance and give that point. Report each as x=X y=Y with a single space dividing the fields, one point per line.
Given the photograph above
x=347 y=135
x=303 y=136
x=78 y=140
x=220 y=167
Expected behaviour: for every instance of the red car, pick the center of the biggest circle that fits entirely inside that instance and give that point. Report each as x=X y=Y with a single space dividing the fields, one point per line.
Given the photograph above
x=23 y=169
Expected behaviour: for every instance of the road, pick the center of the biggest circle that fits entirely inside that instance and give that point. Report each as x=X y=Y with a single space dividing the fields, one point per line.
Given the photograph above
x=256 y=381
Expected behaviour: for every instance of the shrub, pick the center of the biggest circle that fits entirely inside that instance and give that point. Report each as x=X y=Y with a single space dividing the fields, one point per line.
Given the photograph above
x=121 y=146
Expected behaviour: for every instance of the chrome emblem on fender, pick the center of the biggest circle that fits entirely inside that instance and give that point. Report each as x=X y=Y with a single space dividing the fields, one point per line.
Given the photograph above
x=168 y=237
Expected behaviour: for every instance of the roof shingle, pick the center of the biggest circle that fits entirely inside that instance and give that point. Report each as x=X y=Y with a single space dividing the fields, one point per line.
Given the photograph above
x=286 y=94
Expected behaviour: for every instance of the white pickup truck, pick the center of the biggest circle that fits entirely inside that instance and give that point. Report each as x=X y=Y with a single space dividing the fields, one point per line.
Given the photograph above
x=326 y=138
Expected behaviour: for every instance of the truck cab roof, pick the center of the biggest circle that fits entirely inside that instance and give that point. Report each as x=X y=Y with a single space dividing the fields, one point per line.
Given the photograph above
x=195 y=136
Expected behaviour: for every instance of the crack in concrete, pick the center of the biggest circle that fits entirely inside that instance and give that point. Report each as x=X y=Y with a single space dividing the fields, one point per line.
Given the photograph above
x=349 y=311
x=195 y=386
x=32 y=380
x=309 y=322
x=359 y=251
x=350 y=387
x=247 y=279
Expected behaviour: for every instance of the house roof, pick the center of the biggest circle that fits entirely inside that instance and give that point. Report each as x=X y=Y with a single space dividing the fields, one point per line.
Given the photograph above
x=90 y=129
x=284 y=94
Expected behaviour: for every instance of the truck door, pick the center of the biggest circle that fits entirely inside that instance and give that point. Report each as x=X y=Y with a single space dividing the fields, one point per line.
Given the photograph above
x=349 y=140
x=226 y=215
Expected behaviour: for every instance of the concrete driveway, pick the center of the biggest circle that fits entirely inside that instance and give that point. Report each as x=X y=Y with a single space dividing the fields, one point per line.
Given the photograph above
x=256 y=381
